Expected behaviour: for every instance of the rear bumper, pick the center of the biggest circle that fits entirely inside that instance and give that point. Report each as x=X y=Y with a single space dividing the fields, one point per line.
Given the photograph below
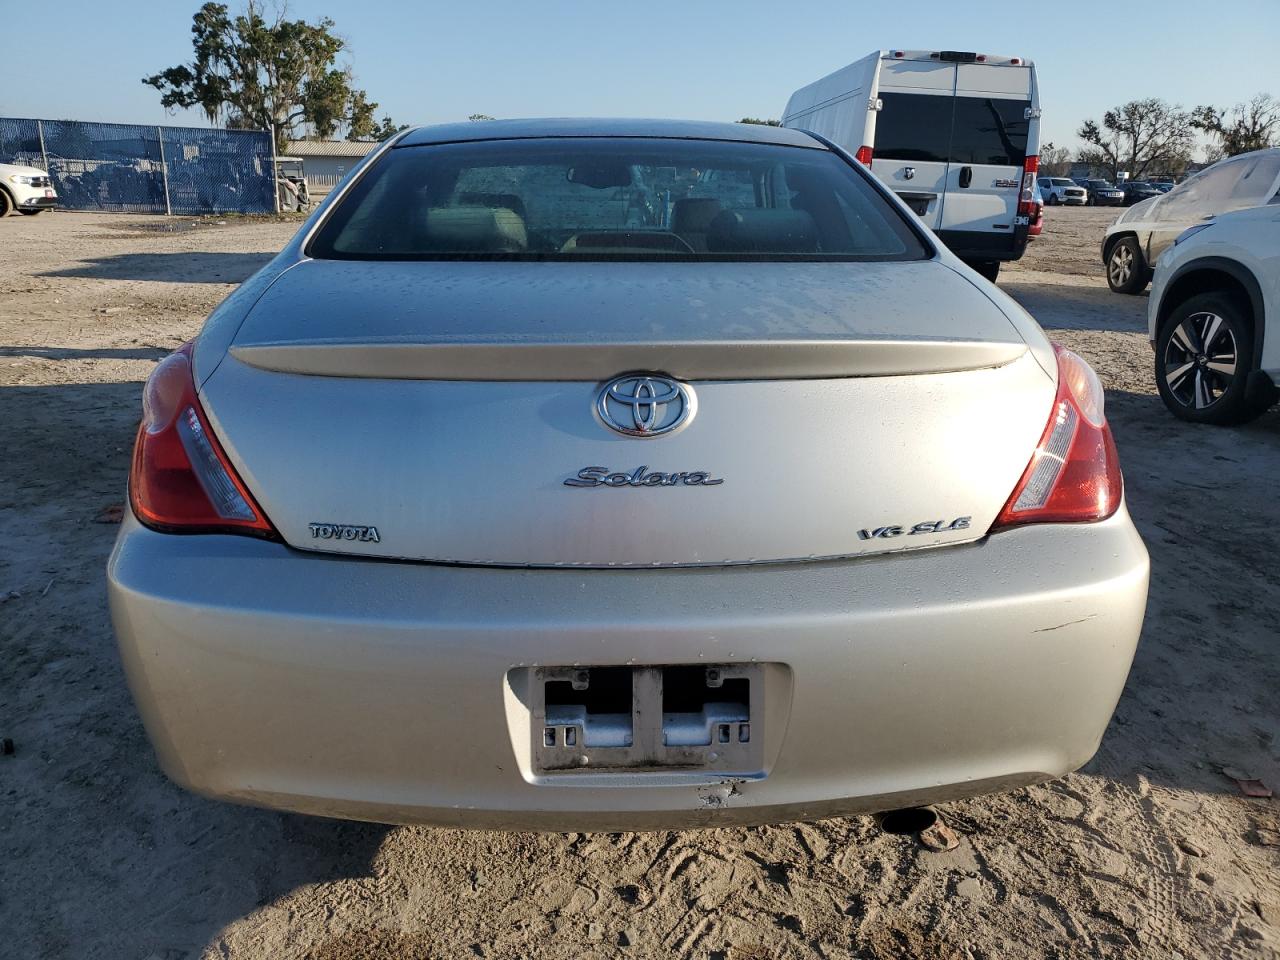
x=377 y=690
x=970 y=245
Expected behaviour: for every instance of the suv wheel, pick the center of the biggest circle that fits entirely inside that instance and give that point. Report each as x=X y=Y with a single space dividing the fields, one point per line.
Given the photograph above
x=1204 y=357
x=1127 y=270
x=6 y=203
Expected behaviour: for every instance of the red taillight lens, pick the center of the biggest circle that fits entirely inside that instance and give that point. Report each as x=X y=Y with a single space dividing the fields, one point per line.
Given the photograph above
x=1027 y=196
x=863 y=156
x=181 y=481
x=1074 y=474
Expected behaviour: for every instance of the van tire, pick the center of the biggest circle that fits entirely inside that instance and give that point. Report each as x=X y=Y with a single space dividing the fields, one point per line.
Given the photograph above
x=1127 y=270
x=988 y=269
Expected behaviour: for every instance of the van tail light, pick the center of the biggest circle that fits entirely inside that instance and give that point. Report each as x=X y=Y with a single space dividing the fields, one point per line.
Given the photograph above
x=1027 y=196
x=1074 y=474
x=181 y=480
x=863 y=156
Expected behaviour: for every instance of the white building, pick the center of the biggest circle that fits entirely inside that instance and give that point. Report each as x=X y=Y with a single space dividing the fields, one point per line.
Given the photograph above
x=325 y=162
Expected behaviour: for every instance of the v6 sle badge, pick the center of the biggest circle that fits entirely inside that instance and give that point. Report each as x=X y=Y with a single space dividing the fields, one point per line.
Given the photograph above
x=925 y=526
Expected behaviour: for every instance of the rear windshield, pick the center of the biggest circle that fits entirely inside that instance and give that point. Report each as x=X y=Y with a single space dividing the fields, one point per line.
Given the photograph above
x=614 y=199
x=941 y=129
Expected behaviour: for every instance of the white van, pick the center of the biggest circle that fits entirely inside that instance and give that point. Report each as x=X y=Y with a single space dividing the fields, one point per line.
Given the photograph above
x=956 y=135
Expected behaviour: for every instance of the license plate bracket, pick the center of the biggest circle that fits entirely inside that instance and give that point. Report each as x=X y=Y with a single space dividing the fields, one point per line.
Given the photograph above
x=648 y=718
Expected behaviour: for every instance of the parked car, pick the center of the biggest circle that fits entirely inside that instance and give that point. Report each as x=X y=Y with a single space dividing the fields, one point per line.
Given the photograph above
x=1104 y=194
x=1060 y=190
x=621 y=511
x=964 y=161
x=25 y=189
x=1135 y=191
x=1162 y=184
x=1213 y=295
x=1135 y=241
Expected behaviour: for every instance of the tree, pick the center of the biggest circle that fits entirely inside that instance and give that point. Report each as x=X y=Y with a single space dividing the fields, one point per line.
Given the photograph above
x=1054 y=161
x=1249 y=126
x=380 y=131
x=259 y=70
x=763 y=123
x=1138 y=136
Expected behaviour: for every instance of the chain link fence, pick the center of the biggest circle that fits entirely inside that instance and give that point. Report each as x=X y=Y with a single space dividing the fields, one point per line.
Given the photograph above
x=130 y=168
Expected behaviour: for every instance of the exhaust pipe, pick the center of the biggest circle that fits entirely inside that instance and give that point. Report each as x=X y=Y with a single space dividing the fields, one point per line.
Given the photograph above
x=907 y=821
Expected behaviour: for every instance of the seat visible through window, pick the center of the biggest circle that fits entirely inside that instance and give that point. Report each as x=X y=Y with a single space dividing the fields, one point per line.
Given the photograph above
x=691 y=217
x=751 y=231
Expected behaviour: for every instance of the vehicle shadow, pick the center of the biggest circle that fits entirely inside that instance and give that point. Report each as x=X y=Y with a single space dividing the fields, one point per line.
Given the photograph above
x=1082 y=306
x=87 y=353
x=1202 y=497
x=182 y=267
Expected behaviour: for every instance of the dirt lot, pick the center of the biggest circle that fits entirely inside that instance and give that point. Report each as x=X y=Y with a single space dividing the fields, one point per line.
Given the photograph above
x=1149 y=851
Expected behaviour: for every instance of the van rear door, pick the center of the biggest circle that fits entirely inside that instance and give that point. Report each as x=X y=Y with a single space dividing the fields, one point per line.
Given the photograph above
x=991 y=129
x=913 y=132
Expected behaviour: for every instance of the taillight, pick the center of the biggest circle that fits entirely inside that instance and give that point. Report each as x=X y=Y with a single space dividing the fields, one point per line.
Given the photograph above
x=1027 y=196
x=1074 y=474
x=181 y=481
x=863 y=156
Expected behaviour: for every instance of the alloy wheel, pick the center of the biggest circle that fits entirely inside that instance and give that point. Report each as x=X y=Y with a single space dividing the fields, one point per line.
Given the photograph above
x=1121 y=266
x=1200 y=360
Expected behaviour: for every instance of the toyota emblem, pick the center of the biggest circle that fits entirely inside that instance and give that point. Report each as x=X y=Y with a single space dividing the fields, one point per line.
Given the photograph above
x=645 y=405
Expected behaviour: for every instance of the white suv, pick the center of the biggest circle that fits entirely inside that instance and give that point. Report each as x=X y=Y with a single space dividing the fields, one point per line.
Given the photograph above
x=1057 y=190
x=1214 y=291
x=25 y=189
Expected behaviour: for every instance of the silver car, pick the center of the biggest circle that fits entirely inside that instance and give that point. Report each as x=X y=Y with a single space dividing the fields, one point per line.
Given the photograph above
x=1134 y=243
x=618 y=475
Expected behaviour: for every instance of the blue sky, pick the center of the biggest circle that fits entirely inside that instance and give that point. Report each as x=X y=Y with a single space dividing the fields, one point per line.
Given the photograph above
x=427 y=61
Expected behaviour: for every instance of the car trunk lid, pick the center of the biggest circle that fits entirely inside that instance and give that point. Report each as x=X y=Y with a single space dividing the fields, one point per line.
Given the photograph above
x=435 y=411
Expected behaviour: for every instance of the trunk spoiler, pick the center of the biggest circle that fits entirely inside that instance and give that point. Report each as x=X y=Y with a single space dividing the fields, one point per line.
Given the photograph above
x=686 y=360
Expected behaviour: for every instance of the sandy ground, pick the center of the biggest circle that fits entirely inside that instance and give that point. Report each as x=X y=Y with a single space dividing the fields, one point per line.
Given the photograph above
x=1149 y=851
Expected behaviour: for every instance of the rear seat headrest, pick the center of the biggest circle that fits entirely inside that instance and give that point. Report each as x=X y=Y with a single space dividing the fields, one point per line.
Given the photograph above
x=511 y=201
x=478 y=229
x=694 y=214
x=762 y=231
